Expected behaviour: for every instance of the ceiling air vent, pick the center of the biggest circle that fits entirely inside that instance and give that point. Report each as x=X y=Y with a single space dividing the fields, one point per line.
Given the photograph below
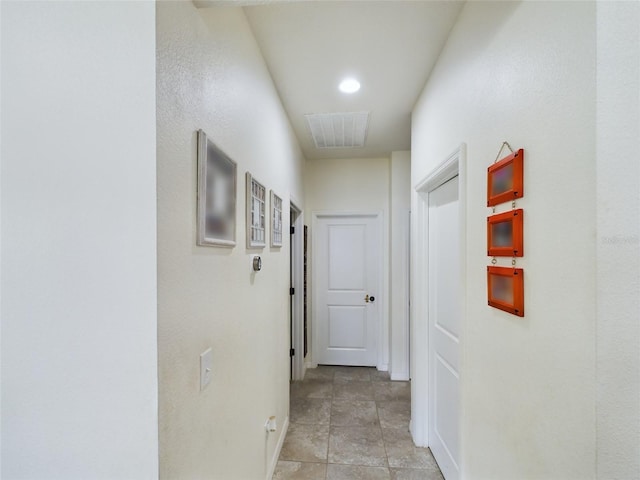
x=338 y=130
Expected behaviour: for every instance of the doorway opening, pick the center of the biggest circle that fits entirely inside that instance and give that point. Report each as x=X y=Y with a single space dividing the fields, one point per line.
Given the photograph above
x=348 y=289
x=438 y=311
x=296 y=291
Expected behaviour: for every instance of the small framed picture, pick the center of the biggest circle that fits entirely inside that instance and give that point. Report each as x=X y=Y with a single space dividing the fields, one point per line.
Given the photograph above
x=505 y=289
x=256 y=213
x=505 y=179
x=216 y=195
x=276 y=220
x=505 y=234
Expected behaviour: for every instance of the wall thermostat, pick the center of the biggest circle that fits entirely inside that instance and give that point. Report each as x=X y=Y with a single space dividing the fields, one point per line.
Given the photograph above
x=257 y=263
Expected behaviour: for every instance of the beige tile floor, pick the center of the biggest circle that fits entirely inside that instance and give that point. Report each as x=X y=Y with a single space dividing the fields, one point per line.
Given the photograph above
x=351 y=423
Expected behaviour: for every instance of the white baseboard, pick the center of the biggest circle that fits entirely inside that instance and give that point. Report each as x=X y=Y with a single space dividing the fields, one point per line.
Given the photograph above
x=276 y=454
x=400 y=376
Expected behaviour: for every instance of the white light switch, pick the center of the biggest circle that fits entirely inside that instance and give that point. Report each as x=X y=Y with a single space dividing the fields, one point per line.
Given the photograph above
x=206 y=368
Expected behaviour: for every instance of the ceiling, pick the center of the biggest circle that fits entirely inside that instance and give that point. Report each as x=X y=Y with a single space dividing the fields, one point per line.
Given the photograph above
x=389 y=46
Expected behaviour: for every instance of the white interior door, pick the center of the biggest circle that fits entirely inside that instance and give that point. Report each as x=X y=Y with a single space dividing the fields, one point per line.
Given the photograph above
x=444 y=326
x=347 y=261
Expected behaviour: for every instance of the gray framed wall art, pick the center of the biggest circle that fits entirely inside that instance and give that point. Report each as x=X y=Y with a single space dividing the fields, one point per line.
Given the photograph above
x=217 y=175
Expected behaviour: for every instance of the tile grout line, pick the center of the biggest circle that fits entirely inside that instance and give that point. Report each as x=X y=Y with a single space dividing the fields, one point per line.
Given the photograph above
x=333 y=379
x=384 y=445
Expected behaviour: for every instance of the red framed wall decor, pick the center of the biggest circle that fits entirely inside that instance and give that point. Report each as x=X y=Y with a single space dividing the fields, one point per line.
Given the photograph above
x=505 y=234
x=505 y=180
x=505 y=288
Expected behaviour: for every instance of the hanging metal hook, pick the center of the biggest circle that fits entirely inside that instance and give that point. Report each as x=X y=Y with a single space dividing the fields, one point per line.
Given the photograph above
x=505 y=143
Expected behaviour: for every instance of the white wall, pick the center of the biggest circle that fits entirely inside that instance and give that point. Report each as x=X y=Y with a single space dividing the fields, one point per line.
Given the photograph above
x=524 y=72
x=400 y=206
x=78 y=286
x=0 y=238
x=350 y=185
x=618 y=240
x=211 y=76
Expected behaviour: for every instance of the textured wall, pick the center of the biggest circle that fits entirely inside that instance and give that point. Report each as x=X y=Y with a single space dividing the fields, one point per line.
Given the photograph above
x=79 y=376
x=400 y=206
x=524 y=72
x=618 y=247
x=211 y=76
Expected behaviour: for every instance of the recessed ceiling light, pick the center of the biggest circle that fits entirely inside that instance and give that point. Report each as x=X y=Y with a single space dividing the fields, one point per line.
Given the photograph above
x=349 y=85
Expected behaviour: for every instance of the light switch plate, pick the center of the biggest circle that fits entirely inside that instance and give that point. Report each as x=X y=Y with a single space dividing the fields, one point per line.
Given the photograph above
x=206 y=368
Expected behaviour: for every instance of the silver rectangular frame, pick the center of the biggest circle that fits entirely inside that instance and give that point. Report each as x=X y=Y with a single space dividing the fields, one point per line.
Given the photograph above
x=217 y=191
x=276 y=220
x=256 y=200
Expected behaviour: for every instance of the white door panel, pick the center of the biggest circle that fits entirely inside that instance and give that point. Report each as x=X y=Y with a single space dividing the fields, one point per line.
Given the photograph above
x=347 y=327
x=444 y=326
x=447 y=346
x=346 y=257
x=347 y=251
x=446 y=419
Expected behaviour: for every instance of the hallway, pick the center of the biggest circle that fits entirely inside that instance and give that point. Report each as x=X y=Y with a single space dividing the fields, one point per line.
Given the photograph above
x=351 y=423
x=130 y=350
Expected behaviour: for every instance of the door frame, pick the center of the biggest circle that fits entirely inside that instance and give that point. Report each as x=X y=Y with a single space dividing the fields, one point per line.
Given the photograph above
x=383 y=285
x=297 y=300
x=454 y=165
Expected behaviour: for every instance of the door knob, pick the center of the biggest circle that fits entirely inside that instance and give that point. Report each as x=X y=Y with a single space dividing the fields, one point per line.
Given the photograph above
x=368 y=299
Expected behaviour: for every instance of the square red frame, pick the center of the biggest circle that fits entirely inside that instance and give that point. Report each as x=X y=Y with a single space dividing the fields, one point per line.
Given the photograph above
x=516 y=248
x=509 y=171
x=514 y=279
